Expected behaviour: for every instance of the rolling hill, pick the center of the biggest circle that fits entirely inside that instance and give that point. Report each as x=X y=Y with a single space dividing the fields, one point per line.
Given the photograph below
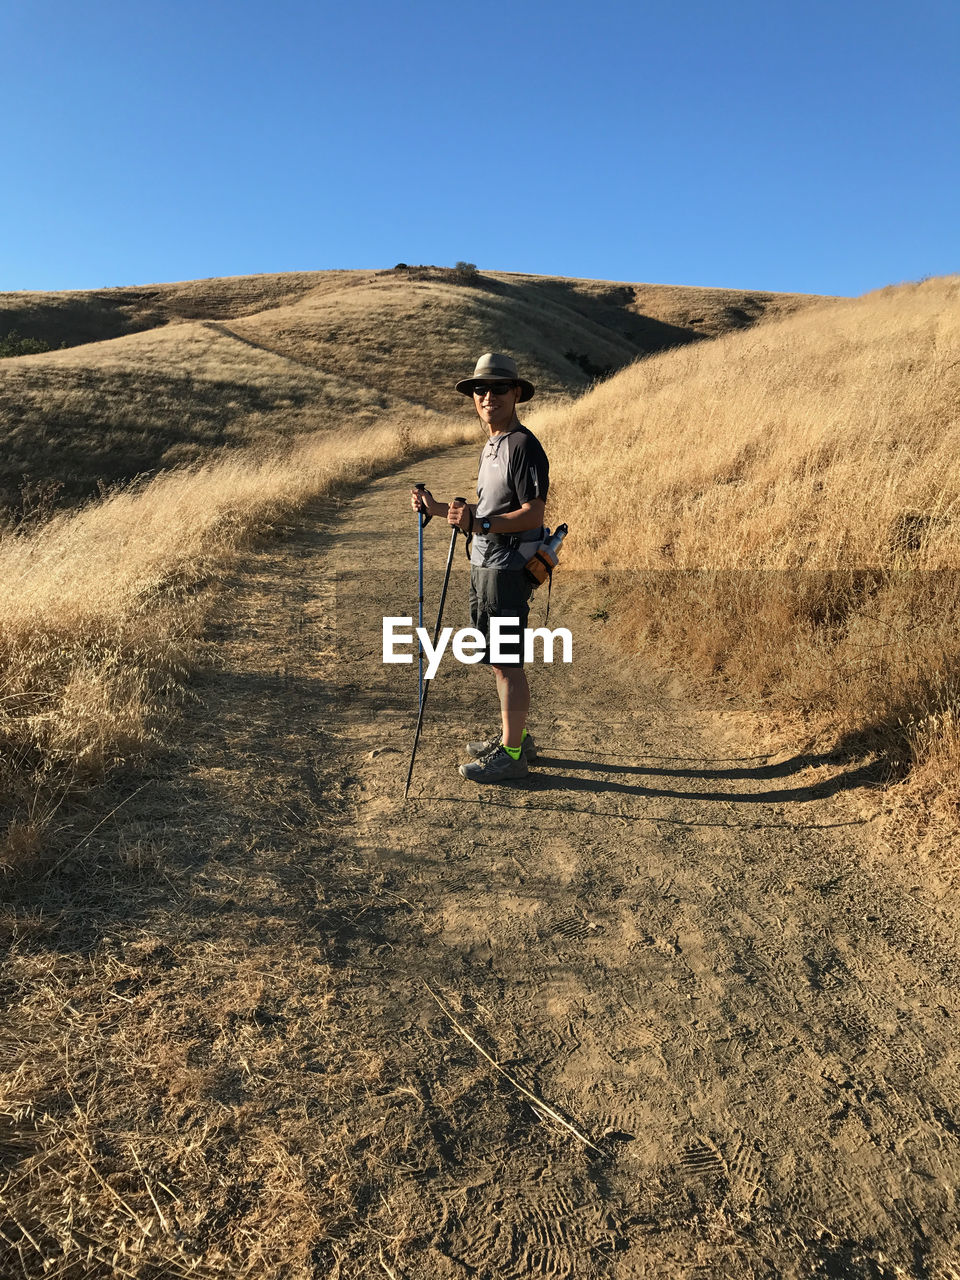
x=155 y=376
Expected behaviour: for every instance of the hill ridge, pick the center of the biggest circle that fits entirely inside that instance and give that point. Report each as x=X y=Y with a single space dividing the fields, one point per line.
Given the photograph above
x=141 y=387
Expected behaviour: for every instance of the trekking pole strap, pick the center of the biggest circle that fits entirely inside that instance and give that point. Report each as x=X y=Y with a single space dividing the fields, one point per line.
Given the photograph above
x=425 y=516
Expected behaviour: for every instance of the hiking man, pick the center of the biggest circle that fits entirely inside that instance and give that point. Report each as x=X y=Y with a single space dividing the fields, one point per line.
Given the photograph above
x=507 y=525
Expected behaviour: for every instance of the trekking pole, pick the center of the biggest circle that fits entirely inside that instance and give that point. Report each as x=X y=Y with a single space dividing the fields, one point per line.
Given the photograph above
x=436 y=633
x=423 y=519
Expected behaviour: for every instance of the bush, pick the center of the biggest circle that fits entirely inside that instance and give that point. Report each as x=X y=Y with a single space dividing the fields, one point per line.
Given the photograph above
x=595 y=372
x=460 y=273
x=13 y=345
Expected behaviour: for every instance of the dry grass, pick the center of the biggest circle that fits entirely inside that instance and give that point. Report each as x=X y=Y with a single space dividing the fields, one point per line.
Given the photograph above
x=221 y=1109
x=101 y=610
x=94 y=315
x=183 y=372
x=83 y=316
x=99 y=414
x=410 y=336
x=785 y=507
x=150 y=1166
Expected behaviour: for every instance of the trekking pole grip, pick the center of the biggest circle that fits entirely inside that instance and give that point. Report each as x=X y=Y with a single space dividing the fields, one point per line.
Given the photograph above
x=425 y=516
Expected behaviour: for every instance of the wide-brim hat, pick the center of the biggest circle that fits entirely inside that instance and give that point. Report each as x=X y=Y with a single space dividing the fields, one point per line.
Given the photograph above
x=494 y=367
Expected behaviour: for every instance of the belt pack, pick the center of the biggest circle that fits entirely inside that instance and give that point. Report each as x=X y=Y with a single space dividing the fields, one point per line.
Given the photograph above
x=510 y=540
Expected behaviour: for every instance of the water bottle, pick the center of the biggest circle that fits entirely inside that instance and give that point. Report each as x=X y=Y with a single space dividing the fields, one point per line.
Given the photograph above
x=544 y=560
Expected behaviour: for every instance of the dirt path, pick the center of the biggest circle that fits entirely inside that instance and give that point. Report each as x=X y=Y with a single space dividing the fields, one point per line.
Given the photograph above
x=692 y=954
x=686 y=949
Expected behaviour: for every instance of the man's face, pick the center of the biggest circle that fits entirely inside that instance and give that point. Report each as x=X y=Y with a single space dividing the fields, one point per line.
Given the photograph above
x=495 y=402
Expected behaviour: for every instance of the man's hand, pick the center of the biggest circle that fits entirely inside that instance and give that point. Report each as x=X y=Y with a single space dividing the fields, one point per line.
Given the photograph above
x=460 y=515
x=422 y=500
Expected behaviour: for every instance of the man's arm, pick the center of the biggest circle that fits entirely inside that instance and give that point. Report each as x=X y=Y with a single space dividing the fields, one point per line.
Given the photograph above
x=529 y=516
x=530 y=481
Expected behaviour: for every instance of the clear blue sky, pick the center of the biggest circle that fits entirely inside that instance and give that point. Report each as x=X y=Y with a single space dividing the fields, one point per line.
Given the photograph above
x=763 y=144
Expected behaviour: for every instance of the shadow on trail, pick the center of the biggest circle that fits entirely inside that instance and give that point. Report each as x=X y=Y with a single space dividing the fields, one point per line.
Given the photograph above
x=871 y=774
x=238 y=830
x=783 y=769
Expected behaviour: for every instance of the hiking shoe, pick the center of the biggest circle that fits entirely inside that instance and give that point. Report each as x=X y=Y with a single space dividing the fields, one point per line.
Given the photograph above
x=480 y=749
x=498 y=766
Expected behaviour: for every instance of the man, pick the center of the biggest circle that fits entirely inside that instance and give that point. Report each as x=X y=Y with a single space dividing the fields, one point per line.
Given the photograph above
x=507 y=525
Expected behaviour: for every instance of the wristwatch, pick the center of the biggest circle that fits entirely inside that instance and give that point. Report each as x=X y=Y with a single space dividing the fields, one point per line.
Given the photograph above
x=485 y=526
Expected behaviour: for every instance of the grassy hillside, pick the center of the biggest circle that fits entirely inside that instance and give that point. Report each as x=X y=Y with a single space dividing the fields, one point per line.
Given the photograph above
x=104 y=412
x=782 y=507
x=93 y=315
x=165 y=374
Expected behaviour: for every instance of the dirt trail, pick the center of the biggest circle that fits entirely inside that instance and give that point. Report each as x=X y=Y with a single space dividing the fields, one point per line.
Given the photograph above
x=689 y=950
x=693 y=954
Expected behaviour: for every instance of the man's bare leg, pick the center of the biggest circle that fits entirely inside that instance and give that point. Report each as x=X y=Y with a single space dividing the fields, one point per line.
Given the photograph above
x=514 y=693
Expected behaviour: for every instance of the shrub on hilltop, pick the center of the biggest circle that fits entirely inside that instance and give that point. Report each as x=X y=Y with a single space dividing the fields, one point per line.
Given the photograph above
x=459 y=273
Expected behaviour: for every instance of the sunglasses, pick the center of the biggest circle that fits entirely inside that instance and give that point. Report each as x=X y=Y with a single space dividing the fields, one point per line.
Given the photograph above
x=495 y=388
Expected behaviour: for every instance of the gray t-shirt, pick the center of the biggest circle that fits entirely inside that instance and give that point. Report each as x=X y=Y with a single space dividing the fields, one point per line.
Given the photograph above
x=513 y=470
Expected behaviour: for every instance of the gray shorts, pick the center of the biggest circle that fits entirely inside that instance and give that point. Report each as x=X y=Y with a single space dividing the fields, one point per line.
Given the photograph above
x=500 y=593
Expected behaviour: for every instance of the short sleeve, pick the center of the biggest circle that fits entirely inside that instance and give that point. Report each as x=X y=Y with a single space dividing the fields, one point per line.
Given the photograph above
x=529 y=469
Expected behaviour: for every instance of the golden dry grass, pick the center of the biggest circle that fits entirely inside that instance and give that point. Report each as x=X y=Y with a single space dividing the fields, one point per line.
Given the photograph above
x=94 y=315
x=410 y=336
x=181 y=372
x=104 y=412
x=784 y=506
x=100 y=610
x=98 y=314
